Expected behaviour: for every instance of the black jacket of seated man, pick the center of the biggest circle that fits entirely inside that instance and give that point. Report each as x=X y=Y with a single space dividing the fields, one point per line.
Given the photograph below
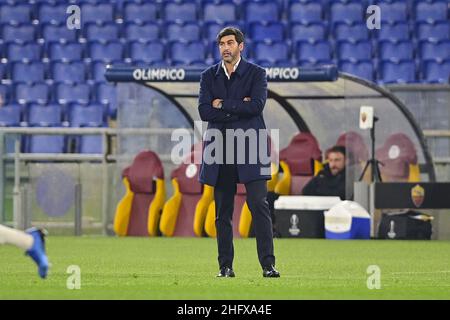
x=326 y=184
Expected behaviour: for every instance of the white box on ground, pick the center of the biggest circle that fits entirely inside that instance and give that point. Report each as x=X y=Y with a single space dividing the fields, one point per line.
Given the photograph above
x=306 y=202
x=302 y=216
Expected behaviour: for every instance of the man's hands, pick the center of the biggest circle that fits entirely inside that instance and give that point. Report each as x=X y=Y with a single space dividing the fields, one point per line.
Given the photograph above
x=217 y=103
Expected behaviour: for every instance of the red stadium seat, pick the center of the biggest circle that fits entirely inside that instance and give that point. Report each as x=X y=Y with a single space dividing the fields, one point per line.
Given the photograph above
x=399 y=158
x=184 y=213
x=356 y=149
x=300 y=161
x=138 y=212
x=242 y=217
x=240 y=228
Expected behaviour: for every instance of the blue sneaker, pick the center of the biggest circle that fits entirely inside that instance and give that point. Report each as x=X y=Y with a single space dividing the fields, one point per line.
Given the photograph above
x=37 y=251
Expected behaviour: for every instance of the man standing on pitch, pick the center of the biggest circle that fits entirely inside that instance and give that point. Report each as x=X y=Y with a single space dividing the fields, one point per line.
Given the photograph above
x=232 y=98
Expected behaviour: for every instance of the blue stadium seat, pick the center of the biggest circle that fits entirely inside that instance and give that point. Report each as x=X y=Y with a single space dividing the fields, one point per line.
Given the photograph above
x=9 y=116
x=394 y=31
x=98 y=71
x=278 y=63
x=356 y=31
x=187 y=52
x=142 y=32
x=313 y=31
x=261 y=11
x=393 y=11
x=32 y=93
x=17 y=13
x=211 y=30
x=69 y=72
x=437 y=72
x=433 y=31
x=147 y=52
x=362 y=69
x=260 y=31
x=215 y=52
x=107 y=95
x=395 y=51
x=98 y=13
x=52 y=13
x=46 y=144
x=361 y=50
x=313 y=52
x=73 y=93
x=197 y=64
x=20 y=33
x=52 y=33
x=28 y=72
x=106 y=52
x=102 y=32
x=436 y=11
x=65 y=51
x=24 y=52
x=271 y=51
x=140 y=12
x=44 y=116
x=187 y=31
x=90 y=144
x=219 y=12
x=432 y=50
x=401 y=72
x=180 y=11
x=346 y=12
x=5 y=93
x=3 y=71
x=305 y=13
x=86 y=116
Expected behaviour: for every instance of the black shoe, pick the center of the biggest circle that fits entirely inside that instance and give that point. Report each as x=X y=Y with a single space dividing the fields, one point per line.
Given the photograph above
x=270 y=272
x=226 y=273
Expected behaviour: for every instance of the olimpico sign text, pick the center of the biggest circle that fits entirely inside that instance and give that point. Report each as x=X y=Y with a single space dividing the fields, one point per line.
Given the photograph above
x=158 y=74
x=282 y=73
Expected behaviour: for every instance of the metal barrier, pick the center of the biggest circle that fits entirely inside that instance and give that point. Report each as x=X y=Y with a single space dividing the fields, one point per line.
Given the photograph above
x=22 y=198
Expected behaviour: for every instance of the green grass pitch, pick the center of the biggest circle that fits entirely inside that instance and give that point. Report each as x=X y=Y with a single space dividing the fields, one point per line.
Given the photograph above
x=175 y=268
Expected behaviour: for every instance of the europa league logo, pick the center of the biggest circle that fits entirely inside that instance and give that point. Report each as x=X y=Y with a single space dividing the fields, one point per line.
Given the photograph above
x=294 y=230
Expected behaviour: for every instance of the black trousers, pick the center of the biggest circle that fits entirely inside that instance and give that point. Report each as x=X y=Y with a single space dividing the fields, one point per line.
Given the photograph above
x=224 y=193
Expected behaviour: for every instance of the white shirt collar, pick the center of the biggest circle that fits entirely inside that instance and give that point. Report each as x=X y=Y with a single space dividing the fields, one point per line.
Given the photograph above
x=234 y=68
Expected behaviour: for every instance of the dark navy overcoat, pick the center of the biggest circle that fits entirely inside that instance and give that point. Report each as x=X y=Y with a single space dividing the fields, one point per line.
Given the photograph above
x=250 y=81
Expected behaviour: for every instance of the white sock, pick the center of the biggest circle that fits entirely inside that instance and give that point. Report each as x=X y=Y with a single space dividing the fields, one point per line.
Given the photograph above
x=15 y=237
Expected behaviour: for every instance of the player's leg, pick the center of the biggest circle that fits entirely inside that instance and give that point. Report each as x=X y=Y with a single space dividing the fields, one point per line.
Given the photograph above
x=15 y=237
x=32 y=241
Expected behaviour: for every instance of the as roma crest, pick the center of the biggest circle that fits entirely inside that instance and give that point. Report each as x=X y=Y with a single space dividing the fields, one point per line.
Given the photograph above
x=417 y=195
x=364 y=117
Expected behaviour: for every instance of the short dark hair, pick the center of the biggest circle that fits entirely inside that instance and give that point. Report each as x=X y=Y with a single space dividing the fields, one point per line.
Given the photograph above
x=336 y=149
x=231 y=31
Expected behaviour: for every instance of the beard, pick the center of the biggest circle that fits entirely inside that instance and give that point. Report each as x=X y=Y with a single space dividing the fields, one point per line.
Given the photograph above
x=229 y=58
x=335 y=171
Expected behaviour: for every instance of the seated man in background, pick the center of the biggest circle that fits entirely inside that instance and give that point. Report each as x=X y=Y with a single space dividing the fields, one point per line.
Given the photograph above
x=331 y=180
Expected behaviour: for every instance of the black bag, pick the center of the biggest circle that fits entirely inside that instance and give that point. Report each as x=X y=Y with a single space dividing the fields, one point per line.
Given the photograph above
x=410 y=225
